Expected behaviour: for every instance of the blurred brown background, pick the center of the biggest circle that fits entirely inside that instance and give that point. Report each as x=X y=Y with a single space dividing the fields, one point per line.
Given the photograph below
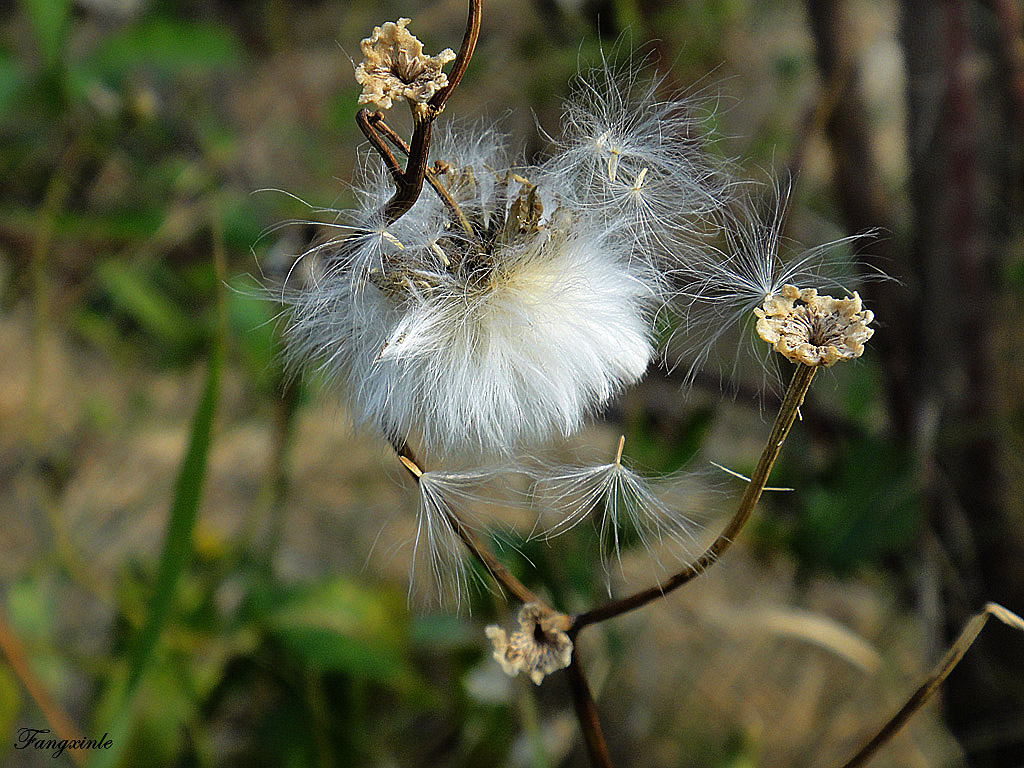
x=134 y=135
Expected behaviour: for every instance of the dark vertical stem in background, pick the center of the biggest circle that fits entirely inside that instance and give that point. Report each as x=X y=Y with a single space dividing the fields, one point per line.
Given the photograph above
x=957 y=133
x=864 y=204
x=939 y=328
x=1009 y=30
x=980 y=178
x=275 y=490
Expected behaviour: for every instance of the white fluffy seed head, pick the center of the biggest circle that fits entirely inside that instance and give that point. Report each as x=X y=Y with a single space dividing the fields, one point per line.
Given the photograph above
x=490 y=328
x=551 y=336
x=534 y=350
x=477 y=342
x=639 y=161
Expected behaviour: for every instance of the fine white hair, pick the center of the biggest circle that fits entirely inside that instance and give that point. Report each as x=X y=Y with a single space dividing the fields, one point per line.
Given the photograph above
x=512 y=300
x=554 y=333
x=490 y=321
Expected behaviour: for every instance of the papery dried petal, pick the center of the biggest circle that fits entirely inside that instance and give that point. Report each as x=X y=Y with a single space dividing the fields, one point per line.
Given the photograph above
x=394 y=67
x=539 y=647
x=812 y=329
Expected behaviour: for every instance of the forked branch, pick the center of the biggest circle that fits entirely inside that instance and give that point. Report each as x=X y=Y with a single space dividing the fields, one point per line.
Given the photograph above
x=409 y=183
x=376 y=122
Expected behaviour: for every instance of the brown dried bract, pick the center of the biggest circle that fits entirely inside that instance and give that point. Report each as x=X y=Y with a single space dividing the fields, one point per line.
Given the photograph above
x=538 y=648
x=394 y=67
x=814 y=330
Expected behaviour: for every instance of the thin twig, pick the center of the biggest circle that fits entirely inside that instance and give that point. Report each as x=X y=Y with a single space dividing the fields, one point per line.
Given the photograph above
x=586 y=713
x=409 y=182
x=483 y=555
x=12 y=648
x=367 y=124
x=791 y=402
x=941 y=671
x=376 y=122
x=465 y=54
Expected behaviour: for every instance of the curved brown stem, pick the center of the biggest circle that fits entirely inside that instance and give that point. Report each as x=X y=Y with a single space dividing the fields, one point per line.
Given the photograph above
x=376 y=120
x=11 y=648
x=368 y=125
x=484 y=556
x=409 y=183
x=463 y=57
x=928 y=688
x=586 y=713
x=791 y=402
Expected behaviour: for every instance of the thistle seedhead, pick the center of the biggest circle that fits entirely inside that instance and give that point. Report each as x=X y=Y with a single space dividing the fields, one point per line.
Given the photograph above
x=476 y=344
x=539 y=647
x=394 y=67
x=814 y=330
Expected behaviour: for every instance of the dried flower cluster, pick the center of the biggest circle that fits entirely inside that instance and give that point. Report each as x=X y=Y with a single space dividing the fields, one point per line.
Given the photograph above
x=538 y=648
x=812 y=329
x=395 y=68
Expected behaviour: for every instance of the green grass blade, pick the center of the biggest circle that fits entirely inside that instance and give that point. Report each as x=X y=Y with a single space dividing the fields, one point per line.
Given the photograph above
x=176 y=554
x=50 y=21
x=177 y=549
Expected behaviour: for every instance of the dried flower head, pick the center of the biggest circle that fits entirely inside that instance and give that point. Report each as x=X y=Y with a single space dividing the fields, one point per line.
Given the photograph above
x=721 y=287
x=394 y=67
x=539 y=647
x=814 y=330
